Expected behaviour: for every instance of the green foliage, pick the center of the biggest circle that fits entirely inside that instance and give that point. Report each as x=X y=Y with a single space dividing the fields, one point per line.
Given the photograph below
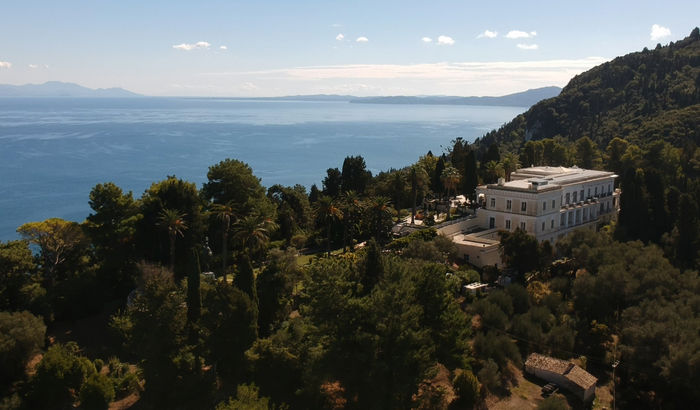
x=19 y=287
x=227 y=327
x=96 y=393
x=521 y=251
x=275 y=285
x=232 y=181
x=172 y=217
x=112 y=230
x=21 y=335
x=61 y=371
x=354 y=176
x=247 y=398
x=490 y=376
x=466 y=387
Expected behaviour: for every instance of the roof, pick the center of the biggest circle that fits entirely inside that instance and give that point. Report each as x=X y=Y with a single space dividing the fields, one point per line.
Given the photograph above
x=570 y=371
x=547 y=178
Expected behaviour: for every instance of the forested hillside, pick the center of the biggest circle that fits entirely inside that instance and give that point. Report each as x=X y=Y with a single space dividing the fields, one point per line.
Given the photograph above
x=651 y=94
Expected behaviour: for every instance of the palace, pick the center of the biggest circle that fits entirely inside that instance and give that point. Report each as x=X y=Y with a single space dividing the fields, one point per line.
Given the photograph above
x=546 y=202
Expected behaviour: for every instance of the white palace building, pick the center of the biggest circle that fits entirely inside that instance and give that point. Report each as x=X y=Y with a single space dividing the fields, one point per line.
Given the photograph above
x=546 y=202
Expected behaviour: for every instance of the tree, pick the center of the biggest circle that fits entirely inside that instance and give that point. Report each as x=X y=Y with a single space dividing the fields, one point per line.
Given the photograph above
x=397 y=187
x=225 y=214
x=97 y=392
x=378 y=217
x=21 y=335
x=252 y=233
x=466 y=386
x=332 y=183
x=57 y=240
x=494 y=170
x=634 y=206
x=112 y=230
x=355 y=175
x=173 y=222
x=326 y=213
x=450 y=179
x=60 y=372
x=436 y=178
x=532 y=153
x=587 y=153
x=688 y=227
x=419 y=180
x=161 y=204
x=247 y=398
x=470 y=177
x=510 y=163
x=232 y=182
x=614 y=151
x=17 y=275
x=520 y=250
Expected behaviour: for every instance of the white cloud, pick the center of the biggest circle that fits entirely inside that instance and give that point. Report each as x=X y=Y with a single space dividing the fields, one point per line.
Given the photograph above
x=195 y=46
x=488 y=34
x=362 y=39
x=445 y=41
x=528 y=46
x=340 y=37
x=427 y=40
x=658 y=32
x=520 y=34
x=5 y=64
x=33 y=66
x=223 y=48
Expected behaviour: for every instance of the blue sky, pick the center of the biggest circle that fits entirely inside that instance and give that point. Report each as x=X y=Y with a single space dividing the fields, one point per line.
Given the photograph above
x=268 y=48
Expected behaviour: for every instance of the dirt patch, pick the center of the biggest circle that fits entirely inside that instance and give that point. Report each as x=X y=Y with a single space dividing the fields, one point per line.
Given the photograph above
x=524 y=394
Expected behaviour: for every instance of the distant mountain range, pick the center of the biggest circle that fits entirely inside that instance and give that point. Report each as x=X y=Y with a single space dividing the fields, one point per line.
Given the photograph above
x=521 y=99
x=61 y=89
x=71 y=90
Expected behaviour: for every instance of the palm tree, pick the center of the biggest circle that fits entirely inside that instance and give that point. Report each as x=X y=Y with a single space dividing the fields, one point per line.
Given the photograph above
x=174 y=223
x=379 y=216
x=510 y=162
x=225 y=213
x=252 y=233
x=450 y=179
x=419 y=179
x=494 y=170
x=326 y=213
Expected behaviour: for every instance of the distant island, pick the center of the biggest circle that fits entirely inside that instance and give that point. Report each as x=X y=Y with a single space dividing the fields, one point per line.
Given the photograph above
x=61 y=89
x=71 y=90
x=521 y=99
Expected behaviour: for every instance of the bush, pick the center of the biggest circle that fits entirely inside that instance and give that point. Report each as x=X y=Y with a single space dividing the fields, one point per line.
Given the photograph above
x=466 y=386
x=247 y=398
x=21 y=334
x=99 y=364
x=97 y=392
x=60 y=372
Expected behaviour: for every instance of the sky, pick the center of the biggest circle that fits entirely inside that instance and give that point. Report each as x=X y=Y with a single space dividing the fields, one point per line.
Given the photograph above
x=288 y=47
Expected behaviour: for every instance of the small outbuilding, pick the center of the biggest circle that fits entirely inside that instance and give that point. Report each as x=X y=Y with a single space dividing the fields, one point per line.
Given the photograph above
x=568 y=375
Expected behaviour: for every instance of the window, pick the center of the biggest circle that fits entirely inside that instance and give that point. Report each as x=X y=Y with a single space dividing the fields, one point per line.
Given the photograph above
x=542 y=226
x=523 y=206
x=508 y=224
x=552 y=224
x=544 y=205
x=563 y=220
x=581 y=195
x=492 y=222
x=585 y=214
x=596 y=191
x=589 y=193
x=554 y=203
x=609 y=188
x=523 y=226
x=575 y=197
x=509 y=204
x=493 y=202
x=567 y=198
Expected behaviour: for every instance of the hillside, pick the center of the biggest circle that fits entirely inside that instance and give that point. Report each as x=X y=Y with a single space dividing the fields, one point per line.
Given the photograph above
x=61 y=89
x=521 y=99
x=639 y=97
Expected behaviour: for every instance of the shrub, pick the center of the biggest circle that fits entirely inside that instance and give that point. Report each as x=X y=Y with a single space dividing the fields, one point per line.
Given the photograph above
x=247 y=398
x=466 y=386
x=99 y=364
x=97 y=392
x=60 y=371
x=21 y=334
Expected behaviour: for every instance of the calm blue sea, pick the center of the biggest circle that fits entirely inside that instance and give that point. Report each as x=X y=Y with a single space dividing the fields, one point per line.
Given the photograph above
x=54 y=150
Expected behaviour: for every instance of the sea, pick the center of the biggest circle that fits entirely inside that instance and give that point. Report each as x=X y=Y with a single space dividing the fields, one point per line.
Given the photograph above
x=53 y=151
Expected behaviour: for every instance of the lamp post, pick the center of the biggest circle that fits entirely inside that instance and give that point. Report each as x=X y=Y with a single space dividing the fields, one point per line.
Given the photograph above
x=614 y=365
